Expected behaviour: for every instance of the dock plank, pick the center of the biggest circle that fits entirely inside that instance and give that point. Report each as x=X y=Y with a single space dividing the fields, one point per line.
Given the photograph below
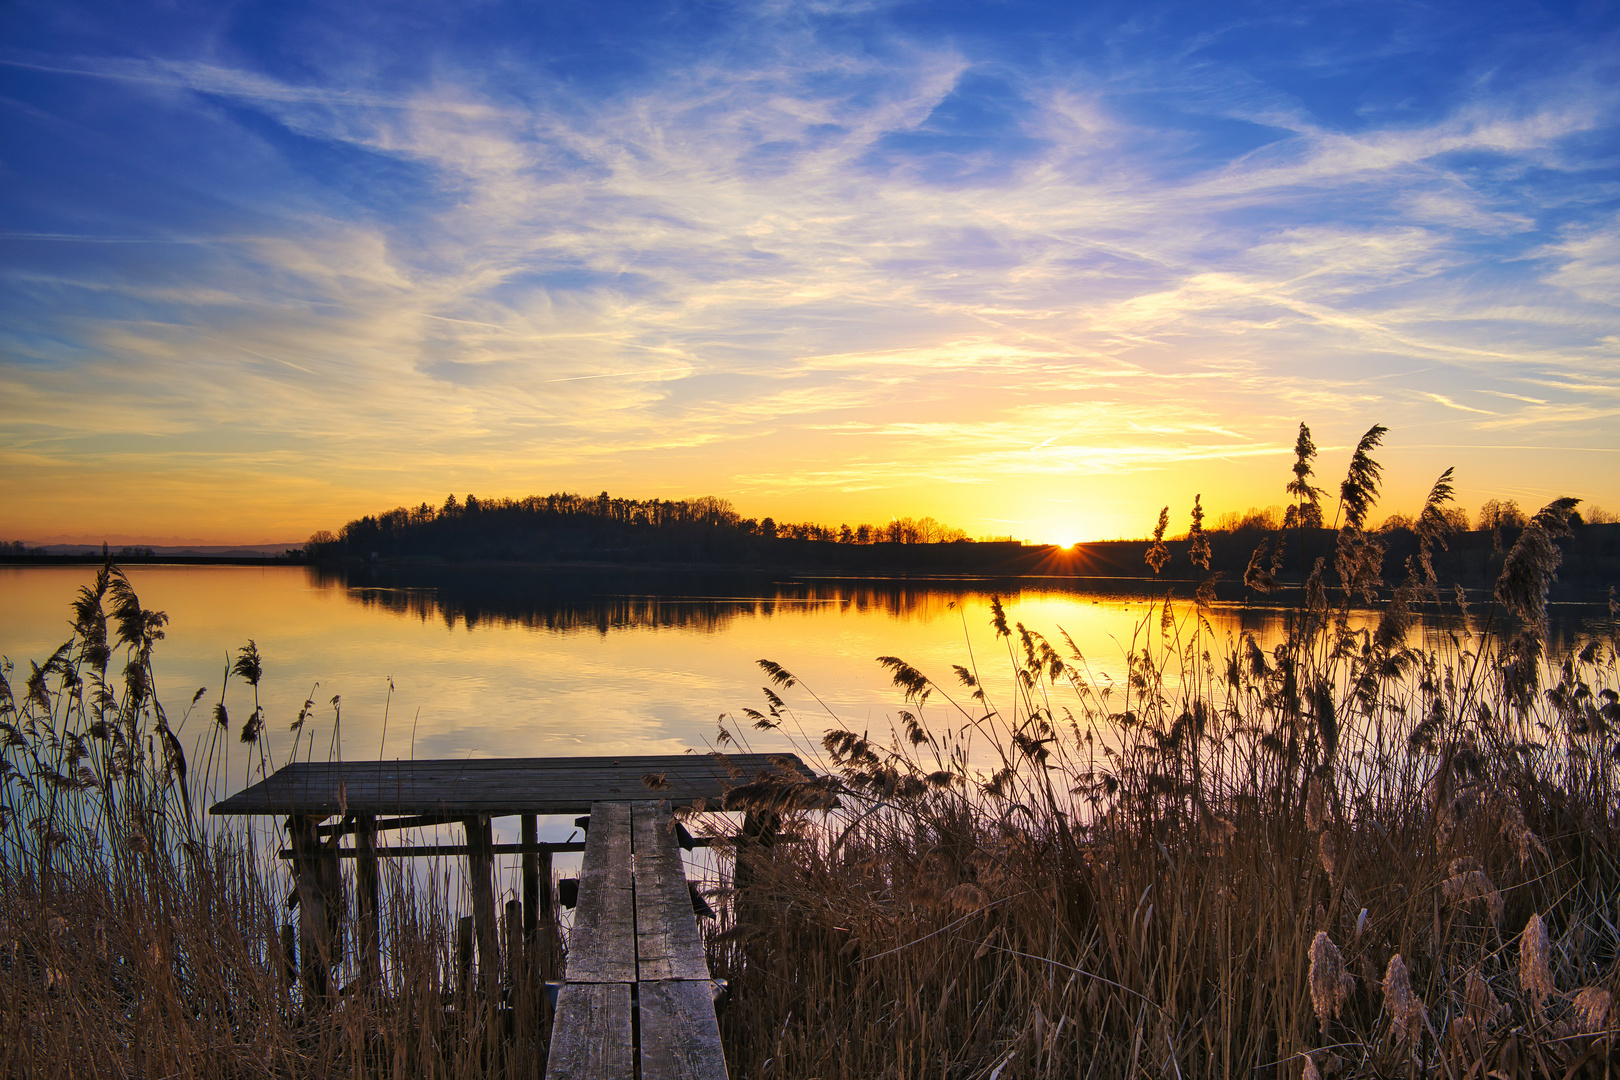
x=499 y=787
x=591 y=1036
x=668 y=945
x=602 y=946
x=680 y=1039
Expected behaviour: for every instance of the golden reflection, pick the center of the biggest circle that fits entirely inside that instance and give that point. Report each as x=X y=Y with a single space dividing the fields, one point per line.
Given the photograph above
x=484 y=663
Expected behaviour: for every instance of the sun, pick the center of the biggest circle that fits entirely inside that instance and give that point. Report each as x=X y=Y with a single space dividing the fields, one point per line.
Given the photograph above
x=1068 y=534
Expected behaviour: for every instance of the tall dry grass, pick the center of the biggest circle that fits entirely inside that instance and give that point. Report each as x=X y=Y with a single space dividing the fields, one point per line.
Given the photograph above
x=1363 y=853
x=138 y=938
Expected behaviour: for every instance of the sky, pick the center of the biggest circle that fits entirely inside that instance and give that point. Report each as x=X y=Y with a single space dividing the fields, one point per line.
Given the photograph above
x=1033 y=269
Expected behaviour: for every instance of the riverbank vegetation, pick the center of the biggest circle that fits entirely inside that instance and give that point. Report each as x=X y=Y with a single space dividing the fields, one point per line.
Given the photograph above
x=1379 y=852
x=1387 y=851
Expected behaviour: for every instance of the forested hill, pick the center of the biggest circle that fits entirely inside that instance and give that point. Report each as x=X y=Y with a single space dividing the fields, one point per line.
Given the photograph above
x=708 y=532
x=565 y=526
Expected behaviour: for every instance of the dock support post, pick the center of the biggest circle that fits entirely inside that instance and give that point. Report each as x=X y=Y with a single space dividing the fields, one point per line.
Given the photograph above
x=531 y=879
x=464 y=953
x=758 y=832
x=289 y=957
x=367 y=910
x=480 y=873
x=514 y=948
x=314 y=936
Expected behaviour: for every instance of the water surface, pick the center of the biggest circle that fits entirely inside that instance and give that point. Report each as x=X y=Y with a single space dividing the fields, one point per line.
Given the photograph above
x=518 y=663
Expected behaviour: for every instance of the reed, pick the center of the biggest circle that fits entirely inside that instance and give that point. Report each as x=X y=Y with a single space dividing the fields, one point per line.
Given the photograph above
x=1362 y=853
x=139 y=938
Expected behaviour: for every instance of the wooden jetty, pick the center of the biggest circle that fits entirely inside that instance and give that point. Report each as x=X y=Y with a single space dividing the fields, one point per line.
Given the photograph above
x=637 y=998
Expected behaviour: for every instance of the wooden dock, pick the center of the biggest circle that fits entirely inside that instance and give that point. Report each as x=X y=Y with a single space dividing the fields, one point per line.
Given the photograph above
x=637 y=998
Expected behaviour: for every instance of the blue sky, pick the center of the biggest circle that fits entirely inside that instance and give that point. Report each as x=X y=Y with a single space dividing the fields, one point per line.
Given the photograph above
x=1030 y=268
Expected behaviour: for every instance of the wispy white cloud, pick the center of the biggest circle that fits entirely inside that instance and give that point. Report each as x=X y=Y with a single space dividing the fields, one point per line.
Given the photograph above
x=756 y=273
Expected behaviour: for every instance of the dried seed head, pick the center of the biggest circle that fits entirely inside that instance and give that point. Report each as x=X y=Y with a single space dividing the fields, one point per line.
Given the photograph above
x=1483 y=1006
x=1405 y=1010
x=1529 y=844
x=1330 y=983
x=1474 y=887
x=1513 y=826
x=1314 y=805
x=1217 y=830
x=1328 y=849
x=967 y=897
x=1535 y=973
x=1590 y=1010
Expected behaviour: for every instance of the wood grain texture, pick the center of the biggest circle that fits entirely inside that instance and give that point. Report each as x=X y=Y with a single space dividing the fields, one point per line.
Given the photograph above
x=367 y=911
x=668 y=945
x=497 y=787
x=602 y=944
x=680 y=1039
x=591 y=1035
x=480 y=872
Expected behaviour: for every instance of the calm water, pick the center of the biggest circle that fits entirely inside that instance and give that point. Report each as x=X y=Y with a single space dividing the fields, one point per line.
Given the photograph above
x=516 y=664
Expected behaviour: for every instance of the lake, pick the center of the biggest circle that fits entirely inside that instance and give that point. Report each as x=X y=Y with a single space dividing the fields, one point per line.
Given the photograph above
x=495 y=663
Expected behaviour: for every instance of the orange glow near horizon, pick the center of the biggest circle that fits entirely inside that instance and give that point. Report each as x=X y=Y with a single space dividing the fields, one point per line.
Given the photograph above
x=94 y=506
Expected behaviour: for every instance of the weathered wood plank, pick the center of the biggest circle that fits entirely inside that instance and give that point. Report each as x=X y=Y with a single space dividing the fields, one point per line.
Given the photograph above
x=668 y=945
x=407 y=851
x=591 y=1035
x=498 y=786
x=602 y=946
x=680 y=1039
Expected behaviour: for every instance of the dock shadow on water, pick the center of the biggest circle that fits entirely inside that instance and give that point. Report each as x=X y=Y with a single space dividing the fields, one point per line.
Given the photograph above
x=1352 y=851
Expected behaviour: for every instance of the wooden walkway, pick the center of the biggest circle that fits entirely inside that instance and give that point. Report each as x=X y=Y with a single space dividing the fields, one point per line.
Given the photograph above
x=637 y=999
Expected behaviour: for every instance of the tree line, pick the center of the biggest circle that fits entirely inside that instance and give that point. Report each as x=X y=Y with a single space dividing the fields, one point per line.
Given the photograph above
x=565 y=519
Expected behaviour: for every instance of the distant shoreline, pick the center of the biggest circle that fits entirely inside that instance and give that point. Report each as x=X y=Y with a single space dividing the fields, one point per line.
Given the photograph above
x=154 y=560
x=1590 y=562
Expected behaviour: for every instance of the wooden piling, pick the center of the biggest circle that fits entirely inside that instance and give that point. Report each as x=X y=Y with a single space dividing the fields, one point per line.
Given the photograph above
x=464 y=954
x=314 y=941
x=515 y=952
x=537 y=915
x=758 y=833
x=531 y=878
x=289 y=956
x=480 y=881
x=367 y=910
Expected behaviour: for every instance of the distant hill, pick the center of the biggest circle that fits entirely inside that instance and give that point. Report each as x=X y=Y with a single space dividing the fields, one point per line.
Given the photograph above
x=602 y=531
